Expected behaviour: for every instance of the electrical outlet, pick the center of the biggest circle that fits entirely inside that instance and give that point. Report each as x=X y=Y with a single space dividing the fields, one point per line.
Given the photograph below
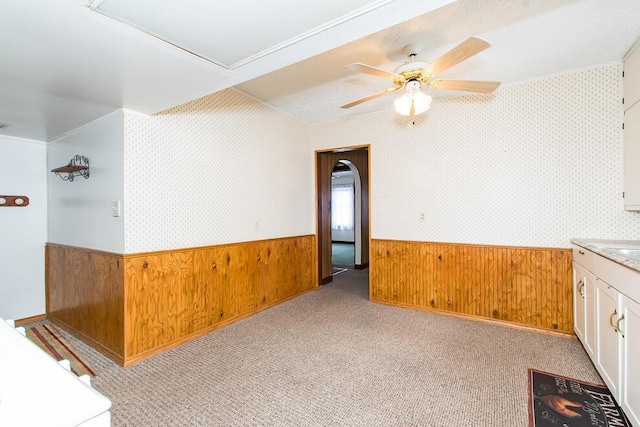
x=421 y=216
x=115 y=208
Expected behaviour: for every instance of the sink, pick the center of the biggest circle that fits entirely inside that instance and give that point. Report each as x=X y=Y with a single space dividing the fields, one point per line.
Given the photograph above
x=631 y=253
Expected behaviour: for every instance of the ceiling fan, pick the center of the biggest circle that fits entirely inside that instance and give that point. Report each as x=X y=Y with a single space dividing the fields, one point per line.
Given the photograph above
x=414 y=74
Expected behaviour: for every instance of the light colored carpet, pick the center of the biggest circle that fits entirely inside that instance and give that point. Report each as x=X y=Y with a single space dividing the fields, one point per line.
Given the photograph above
x=333 y=358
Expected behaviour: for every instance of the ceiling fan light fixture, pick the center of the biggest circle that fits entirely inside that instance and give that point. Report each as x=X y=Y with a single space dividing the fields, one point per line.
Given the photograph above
x=413 y=102
x=414 y=74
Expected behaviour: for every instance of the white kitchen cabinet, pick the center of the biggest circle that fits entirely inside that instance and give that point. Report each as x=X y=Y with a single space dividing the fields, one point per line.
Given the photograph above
x=584 y=299
x=631 y=152
x=606 y=294
x=631 y=158
x=607 y=351
x=578 y=301
x=589 y=299
x=631 y=77
x=629 y=329
x=618 y=346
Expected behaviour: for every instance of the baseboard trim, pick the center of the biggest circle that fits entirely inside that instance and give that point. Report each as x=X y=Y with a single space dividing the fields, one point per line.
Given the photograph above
x=326 y=280
x=88 y=340
x=361 y=266
x=25 y=320
x=478 y=319
x=129 y=361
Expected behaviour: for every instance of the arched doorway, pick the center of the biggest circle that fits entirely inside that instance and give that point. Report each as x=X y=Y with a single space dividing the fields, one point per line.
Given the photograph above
x=346 y=215
x=358 y=159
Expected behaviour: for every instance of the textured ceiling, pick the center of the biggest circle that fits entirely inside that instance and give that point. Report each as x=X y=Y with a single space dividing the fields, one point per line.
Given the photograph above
x=529 y=39
x=64 y=65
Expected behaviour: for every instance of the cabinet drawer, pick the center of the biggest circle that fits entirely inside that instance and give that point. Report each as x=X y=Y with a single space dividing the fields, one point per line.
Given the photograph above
x=623 y=279
x=583 y=257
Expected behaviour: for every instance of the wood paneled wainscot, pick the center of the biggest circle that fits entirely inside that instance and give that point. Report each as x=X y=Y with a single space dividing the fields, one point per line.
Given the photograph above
x=161 y=299
x=526 y=286
x=85 y=294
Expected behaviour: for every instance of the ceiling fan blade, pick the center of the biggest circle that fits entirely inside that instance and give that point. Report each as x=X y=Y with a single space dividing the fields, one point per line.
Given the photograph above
x=372 y=71
x=468 y=48
x=465 y=85
x=370 y=97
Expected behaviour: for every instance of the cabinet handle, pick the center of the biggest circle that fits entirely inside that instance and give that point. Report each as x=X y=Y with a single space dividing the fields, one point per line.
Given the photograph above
x=581 y=288
x=581 y=253
x=615 y=328
x=618 y=325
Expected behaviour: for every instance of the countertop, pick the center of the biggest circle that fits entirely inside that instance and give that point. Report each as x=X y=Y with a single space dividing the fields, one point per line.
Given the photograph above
x=602 y=247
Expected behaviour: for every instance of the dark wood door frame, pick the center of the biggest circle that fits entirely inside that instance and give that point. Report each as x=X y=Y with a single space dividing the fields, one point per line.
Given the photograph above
x=359 y=156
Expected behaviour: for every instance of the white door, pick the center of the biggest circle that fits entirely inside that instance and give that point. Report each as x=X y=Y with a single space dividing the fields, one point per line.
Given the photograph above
x=607 y=351
x=578 y=301
x=631 y=79
x=630 y=390
x=589 y=313
x=630 y=158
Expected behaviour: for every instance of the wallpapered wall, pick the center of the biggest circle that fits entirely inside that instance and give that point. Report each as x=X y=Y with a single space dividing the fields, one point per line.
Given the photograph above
x=223 y=168
x=534 y=164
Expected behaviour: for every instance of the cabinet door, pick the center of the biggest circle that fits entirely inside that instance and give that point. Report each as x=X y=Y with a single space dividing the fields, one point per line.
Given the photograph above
x=607 y=352
x=589 y=291
x=631 y=80
x=631 y=157
x=578 y=301
x=630 y=381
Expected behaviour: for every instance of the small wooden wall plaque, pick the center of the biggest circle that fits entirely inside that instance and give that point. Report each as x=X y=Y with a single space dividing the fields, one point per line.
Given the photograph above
x=14 y=201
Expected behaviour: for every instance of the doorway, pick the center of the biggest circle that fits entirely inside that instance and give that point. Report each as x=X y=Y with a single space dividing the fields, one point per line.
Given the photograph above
x=346 y=216
x=352 y=162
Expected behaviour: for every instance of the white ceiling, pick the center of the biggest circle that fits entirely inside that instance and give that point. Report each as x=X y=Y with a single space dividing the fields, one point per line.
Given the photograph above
x=529 y=39
x=63 y=64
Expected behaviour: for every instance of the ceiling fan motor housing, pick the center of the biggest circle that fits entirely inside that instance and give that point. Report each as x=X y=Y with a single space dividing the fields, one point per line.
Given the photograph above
x=415 y=70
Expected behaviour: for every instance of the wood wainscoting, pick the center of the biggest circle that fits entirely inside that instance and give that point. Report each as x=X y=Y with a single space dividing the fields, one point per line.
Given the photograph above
x=526 y=286
x=85 y=295
x=134 y=306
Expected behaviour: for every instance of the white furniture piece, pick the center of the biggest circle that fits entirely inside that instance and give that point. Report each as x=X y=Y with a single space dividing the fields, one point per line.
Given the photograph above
x=607 y=316
x=36 y=390
x=584 y=307
x=632 y=128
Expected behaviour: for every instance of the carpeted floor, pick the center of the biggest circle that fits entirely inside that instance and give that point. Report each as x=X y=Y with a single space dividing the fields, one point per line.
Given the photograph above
x=333 y=358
